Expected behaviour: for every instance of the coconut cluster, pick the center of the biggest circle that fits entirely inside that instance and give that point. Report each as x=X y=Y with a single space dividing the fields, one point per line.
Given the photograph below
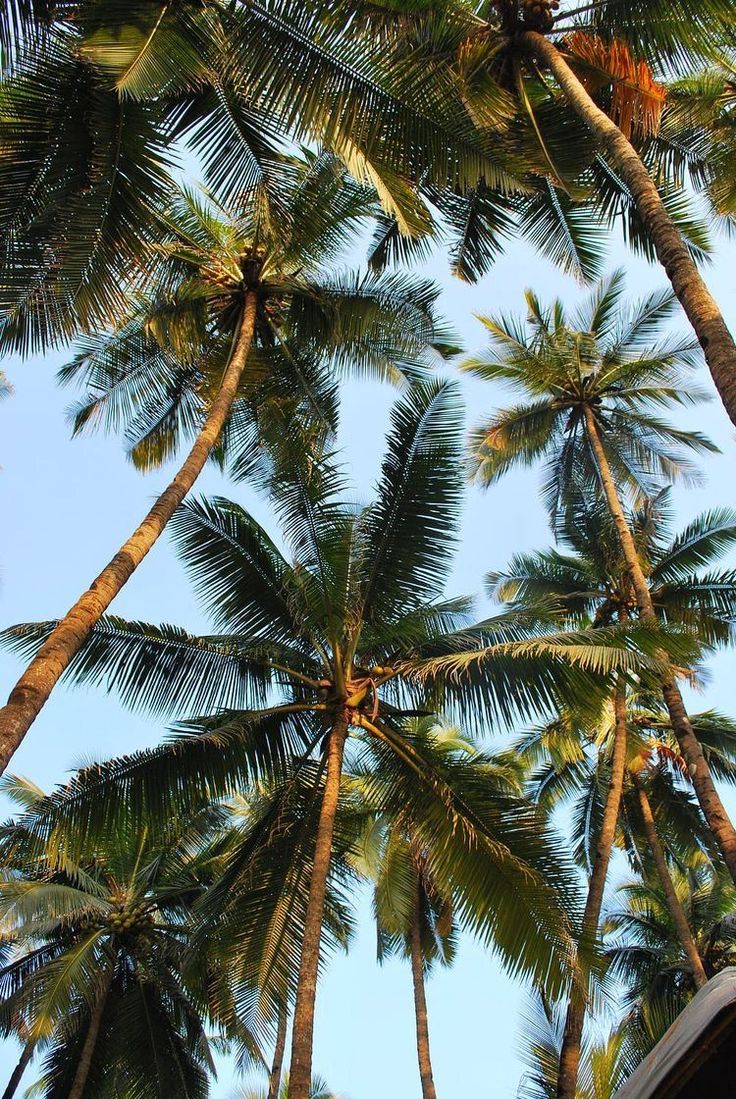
x=130 y=921
x=539 y=14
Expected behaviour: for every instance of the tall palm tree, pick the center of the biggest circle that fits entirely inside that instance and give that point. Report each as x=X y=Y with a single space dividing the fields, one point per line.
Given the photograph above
x=337 y=645
x=593 y=384
x=594 y=585
x=237 y=296
x=414 y=911
x=600 y=56
x=98 y=968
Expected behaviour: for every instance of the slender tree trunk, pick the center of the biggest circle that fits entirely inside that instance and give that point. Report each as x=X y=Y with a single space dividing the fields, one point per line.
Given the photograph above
x=694 y=296
x=23 y=1063
x=676 y=910
x=93 y=1032
x=573 y=1033
x=302 y=1032
x=274 y=1080
x=710 y=802
x=420 y=1005
x=42 y=674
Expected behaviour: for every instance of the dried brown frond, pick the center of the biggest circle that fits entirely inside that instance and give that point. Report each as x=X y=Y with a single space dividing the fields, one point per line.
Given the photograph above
x=635 y=99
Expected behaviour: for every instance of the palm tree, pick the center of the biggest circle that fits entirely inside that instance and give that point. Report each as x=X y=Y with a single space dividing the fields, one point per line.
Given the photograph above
x=237 y=296
x=91 y=131
x=607 y=1061
x=593 y=384
x=340 y=643
x=100 y=944
x=597 y=56
x=642 y=940
x=414 y=911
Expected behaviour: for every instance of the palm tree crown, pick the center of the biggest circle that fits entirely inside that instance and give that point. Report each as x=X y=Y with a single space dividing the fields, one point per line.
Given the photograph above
x=602 y=363
x=98 y=972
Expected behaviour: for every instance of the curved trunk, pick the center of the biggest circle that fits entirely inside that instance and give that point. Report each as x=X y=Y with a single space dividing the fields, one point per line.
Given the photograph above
x=693 y=294
x=420 y=1005
x=274 y=1080
x=302 y=1033
x=25 y=1059
x=93 y=1032
x=676 y=910
x=42 y=674
x=574 y=1020
x=714 y=811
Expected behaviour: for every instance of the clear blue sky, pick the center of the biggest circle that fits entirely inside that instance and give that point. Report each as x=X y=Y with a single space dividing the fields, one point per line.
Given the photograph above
x=67 y=505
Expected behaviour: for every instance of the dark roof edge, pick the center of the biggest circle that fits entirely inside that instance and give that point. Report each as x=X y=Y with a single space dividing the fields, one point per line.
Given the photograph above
x=687 y=1029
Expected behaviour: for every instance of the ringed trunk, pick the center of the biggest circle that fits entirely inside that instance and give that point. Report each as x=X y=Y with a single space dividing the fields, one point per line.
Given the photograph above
x=93 y=1032
x=44 y=671
x=302 y=1034
x=420 y=1004
x=676 y=910
x=574 y=1020
x=713 y=808
x=274 y=1080
x=23 y=1063
x=696 y=299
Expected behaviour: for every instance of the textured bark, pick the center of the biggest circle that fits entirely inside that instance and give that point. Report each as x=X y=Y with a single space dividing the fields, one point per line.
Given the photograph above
x=575 y=1018
x=23 y=1063
x=302 y=1033
x=714 y=811
x=420 y=1006
x=696 y=299
x=676 y=910
x=90 y=1042
x=43 y=673
x=274 y=1080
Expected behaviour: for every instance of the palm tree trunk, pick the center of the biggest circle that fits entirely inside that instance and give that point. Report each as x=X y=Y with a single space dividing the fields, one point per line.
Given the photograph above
x=302 y=1033
x=693 y=294
x=42 y=674
x=573 y=1033
x=420 y=1005
x=93 y=1032
x=676 y=910
x=710 y=802
x=23 y=1063
x=274 y=1080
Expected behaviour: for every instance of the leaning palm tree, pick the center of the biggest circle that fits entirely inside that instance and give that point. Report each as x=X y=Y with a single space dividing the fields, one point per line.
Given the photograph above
x=334 y=646
x=100 y=945
x=236 y=298
x=600 y=57
x=593 y=384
